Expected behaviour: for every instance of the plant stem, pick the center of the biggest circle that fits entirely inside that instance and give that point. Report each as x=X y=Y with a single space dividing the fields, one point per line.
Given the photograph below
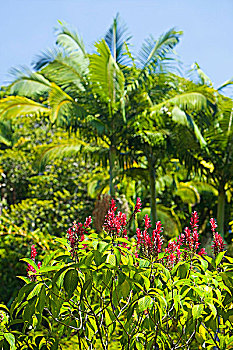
x=153 y=214
x=221 y=208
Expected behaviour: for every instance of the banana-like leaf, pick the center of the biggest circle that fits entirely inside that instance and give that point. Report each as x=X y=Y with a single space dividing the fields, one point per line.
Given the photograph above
x=14 y=106
x=106 y=75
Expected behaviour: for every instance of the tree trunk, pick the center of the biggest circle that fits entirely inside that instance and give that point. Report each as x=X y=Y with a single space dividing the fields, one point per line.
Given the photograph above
x=153 y=212
x=111 y=171
x=221 y=208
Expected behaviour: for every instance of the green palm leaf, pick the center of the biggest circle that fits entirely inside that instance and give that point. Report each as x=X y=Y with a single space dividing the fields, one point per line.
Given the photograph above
x=69 y=40
x=63 y=107
x=72 y=71
x=117 y=38
x=225 y=84
x=106 y=75
x=27 y=83
x=185 y=119
x=14 y=106
x=45 y=57
x=191 y=101
x=204 y=79
x=153 y=51
x=6 y=133
x=71 y=148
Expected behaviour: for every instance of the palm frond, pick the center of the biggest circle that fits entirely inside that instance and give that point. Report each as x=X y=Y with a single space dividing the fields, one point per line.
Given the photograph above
x=190 y=101
x=69 y=39
x=72 y=70
x=188 y=193
x=27 y=83
x=106 y=75
x=185 y=119
x=203 y=78
x=65 y=111
x=45 y=58
x=225 y=84
x=6 y=133
x=70 y=148
x=153 y=51
x=117 y=40
x=15 y=106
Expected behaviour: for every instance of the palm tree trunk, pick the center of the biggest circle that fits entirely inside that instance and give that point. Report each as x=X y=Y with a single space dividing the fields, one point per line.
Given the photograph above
x=111 y=171
x=221 y=208
x=153 y=212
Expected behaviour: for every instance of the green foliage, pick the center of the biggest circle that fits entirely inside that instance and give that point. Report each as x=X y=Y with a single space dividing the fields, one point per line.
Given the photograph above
x=109 y=296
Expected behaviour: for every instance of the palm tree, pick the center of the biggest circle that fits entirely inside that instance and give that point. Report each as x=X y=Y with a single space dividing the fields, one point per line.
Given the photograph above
x=219 y=138
x=98 y=95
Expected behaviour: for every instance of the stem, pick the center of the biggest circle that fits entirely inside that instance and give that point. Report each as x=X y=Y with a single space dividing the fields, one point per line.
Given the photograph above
x=111 y=171
x=153 y=214
x=221 y=208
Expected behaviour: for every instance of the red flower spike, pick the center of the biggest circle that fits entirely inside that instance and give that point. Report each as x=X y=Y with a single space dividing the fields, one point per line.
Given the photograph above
x=202 y=252
x=218 y=242
x=30 y=267
x=33 y=252
x=75 y=234
x=88 y=222
x=138 y=206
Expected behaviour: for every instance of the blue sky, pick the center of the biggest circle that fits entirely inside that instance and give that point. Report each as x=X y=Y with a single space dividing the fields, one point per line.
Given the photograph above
x=27 y=27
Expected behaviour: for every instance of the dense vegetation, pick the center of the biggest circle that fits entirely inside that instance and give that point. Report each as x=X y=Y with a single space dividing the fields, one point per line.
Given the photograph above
x=81 y=128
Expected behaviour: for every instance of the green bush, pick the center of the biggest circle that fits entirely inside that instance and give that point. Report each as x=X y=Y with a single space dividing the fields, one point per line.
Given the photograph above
x=105 y=289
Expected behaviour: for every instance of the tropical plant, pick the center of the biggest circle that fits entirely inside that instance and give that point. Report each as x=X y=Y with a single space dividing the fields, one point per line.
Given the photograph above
x=101 y=292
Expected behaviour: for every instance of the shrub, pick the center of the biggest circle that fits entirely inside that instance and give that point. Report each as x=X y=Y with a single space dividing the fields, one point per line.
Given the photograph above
x=105 y=289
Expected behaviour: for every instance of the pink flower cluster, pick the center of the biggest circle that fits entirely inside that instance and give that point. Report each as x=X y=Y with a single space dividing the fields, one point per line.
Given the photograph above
x=149 y=246
x=115 y=222
x=218 y=243
x=190 y=238
x=75 y=234
x=33 y=257
x=183 y=248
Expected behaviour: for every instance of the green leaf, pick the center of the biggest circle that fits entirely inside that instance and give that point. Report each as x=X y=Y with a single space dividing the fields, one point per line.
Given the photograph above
x=97 y=257
x=219 y=258
x=25 y=279
x=10 y=339
x=70 y=281
x=143 y=263
x=84 y=288
x=144 y=303
x=197 y=311
x=118 y=254
x=213 y=309
x=15 y=106
x=111 y=259
x=30 y=262
x=107 y=77
x=125 y=289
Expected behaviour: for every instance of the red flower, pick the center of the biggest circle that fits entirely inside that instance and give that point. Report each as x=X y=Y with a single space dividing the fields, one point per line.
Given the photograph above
x=218 y=242
x=202 y=252
x=30 y=267
x=138 y=206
